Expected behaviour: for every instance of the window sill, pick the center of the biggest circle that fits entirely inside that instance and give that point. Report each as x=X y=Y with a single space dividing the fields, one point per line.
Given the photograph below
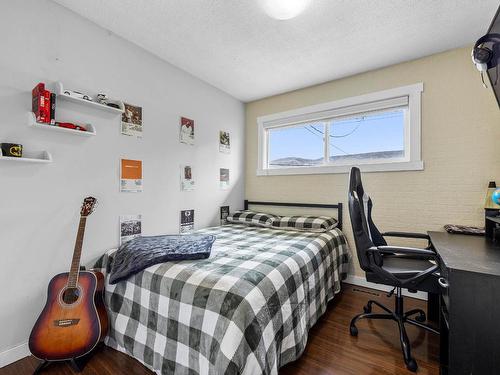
x=333 y=169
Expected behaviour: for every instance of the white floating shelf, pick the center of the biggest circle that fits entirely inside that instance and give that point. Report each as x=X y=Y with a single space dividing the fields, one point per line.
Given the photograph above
x=91 y=131
x=32 y=157
x=62 y=95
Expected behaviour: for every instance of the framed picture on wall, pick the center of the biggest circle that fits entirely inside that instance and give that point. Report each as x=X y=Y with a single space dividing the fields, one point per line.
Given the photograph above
x=187 y=131
x=130 y=176
x=224 y=178
x=187 y=178
x=132 y=121
x=187 y=221
x=130 y=227
x=224 y=213
x=224 y=142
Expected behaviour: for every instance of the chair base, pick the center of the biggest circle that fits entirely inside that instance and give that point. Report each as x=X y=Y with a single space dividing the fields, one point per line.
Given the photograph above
x=401 y=318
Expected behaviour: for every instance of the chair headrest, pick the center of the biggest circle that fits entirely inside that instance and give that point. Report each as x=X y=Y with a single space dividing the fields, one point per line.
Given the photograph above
x=355 y=184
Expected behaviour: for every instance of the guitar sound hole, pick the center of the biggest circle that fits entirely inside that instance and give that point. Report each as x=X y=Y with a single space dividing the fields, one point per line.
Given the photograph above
x=71 y=295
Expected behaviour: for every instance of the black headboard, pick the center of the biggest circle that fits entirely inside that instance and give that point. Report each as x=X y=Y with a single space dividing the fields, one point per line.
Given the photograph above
x=338 y=206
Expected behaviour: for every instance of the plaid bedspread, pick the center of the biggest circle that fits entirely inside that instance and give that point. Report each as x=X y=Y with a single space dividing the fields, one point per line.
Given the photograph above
x=245 y=310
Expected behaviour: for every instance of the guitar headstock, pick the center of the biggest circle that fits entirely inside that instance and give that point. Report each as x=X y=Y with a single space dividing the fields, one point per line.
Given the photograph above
x=88 y=206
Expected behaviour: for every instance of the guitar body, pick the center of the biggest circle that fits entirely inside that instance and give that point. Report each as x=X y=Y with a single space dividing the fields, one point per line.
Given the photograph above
x=73 y=321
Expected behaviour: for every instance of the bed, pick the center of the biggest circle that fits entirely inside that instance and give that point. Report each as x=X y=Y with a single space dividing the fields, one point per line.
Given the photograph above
x=247 y=309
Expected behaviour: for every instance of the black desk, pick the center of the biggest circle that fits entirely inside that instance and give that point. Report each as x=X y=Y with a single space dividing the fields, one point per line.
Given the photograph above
x=470 y=304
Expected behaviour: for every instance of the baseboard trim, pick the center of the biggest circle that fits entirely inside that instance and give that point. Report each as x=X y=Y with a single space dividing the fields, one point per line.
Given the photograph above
x=14 y=354
x=361 y=281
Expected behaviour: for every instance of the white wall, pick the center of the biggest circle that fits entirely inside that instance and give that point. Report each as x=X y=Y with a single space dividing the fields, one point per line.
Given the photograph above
x=39 y=204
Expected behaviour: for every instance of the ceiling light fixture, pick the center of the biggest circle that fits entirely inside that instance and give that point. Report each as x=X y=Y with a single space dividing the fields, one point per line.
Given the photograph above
x=284 y=9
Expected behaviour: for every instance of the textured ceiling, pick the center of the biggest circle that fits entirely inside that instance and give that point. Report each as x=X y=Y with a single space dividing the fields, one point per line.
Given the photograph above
x=235 y=46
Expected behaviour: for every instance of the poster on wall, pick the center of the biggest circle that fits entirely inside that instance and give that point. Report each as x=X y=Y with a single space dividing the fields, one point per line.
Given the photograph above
x=187 y=131
x=224 y=213
x=224 y=142
x=187 y=178
x=130 y=227
x=187 y=221
x=130 y=175
x=224 y=178
x=132 y=121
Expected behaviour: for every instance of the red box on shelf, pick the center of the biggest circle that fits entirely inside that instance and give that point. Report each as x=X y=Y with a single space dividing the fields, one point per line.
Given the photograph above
x=41 y=103
x=46 y=108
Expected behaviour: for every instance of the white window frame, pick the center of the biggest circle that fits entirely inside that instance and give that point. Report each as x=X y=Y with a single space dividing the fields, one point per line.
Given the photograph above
x=358 y=104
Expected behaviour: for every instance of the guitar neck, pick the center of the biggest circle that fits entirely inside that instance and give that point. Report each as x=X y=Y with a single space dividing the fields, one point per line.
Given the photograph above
x=77 y=253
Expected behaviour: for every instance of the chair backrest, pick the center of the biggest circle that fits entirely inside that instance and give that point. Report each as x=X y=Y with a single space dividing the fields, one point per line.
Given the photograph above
x=366 y=234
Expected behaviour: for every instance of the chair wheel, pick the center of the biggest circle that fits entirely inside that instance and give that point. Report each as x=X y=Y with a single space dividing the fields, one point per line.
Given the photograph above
x=412 y=365
x=420 y=318
x=367 y=309
x=353 y=330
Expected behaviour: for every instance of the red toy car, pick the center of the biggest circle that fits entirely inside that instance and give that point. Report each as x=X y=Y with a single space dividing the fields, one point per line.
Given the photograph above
x=69 y=125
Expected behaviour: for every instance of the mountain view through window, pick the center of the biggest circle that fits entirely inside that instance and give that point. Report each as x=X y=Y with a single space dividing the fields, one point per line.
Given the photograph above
x=372 y=136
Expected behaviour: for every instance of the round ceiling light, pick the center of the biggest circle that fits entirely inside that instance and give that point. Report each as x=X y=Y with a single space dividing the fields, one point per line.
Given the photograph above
x=284 y=9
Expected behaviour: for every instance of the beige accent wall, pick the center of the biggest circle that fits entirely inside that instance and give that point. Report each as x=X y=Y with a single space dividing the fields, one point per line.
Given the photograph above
x=460 y=148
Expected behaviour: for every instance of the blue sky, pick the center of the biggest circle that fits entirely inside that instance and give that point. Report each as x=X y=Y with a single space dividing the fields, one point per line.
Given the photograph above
x=376 y=132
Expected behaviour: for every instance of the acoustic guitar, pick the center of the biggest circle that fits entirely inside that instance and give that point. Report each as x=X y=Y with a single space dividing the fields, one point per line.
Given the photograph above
x=74 y=319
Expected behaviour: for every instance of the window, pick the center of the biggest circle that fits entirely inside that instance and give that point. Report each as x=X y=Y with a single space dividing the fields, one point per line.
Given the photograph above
x=377 y=132
x=300 y=145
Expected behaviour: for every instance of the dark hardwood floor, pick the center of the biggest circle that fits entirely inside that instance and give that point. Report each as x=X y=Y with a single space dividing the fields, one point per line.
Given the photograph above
x=330 y=348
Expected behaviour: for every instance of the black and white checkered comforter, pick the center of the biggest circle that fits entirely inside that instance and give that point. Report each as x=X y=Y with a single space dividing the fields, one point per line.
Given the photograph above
x=245 y=310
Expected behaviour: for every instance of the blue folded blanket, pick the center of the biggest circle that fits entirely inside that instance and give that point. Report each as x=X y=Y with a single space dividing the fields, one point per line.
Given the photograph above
x=143 y=252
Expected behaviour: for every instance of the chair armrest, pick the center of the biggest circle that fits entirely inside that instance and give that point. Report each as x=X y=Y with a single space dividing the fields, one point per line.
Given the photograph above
x=406 y=235
x=409 y=252
x=406 y=251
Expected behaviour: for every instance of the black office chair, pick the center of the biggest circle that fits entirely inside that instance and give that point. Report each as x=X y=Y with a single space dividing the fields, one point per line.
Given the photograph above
x=400 y=267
